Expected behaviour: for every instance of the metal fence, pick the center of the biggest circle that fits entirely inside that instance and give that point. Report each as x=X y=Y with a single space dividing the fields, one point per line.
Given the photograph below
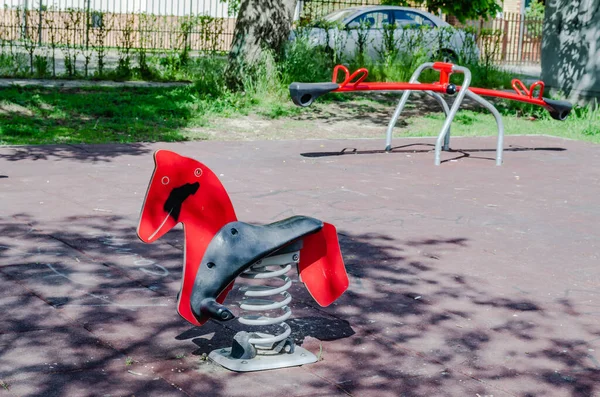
x=512 y=39
x=206 y=25
x=201 y=25
x=160 y=24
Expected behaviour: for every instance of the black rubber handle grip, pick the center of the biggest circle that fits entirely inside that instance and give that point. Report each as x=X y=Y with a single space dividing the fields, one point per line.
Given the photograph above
x=559 y=110
x=304 y=94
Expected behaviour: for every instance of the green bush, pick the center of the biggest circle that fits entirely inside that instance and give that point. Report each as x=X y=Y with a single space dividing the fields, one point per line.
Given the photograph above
x=402 y=50
x=209 y=75
x=41 y=66
x=303 y=62
x=590 y=116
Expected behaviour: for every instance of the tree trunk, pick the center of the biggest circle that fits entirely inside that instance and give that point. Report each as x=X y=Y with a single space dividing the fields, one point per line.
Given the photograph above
x=571 y=48
x=261 y=25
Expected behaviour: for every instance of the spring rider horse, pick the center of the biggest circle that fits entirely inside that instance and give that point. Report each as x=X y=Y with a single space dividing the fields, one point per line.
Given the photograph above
x=219 y=248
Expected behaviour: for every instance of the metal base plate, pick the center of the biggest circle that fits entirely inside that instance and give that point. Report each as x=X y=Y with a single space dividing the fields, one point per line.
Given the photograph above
x=300 y=356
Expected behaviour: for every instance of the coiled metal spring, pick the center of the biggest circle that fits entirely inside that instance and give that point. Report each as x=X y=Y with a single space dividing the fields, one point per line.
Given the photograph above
x=257 y=299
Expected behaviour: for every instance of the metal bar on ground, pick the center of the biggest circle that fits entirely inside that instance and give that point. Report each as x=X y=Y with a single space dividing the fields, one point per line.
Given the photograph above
x=499 y=123
x=414 y=79
x=453 y=110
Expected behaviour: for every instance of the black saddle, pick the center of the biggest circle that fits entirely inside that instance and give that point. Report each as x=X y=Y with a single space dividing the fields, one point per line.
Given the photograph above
x=304 y=94
x=559 y=110
x=235 y=248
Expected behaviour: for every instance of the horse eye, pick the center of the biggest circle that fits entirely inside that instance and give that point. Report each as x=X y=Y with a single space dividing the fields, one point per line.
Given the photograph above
x=165 y=180
x=198 y=172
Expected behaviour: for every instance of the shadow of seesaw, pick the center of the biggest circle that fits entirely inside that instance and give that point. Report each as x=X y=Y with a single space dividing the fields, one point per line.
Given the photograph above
x=404 y=149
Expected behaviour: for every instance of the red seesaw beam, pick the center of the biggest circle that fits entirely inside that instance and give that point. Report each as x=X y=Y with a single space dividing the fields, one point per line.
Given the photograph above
x=440 y=88
x=303 y=94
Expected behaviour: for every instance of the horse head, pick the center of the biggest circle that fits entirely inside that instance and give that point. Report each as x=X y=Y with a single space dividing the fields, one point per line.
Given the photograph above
x=183 y=190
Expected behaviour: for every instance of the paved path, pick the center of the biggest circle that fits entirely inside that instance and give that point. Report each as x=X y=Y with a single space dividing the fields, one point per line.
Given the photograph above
x=466 y=279
x=57 y=83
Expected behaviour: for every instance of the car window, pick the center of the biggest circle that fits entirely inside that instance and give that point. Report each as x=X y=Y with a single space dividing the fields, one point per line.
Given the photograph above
x=375 y=19
x=339 y=16
x=407 y=18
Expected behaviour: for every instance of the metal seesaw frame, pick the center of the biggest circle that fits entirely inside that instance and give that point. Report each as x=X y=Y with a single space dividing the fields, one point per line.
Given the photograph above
x=304 y=94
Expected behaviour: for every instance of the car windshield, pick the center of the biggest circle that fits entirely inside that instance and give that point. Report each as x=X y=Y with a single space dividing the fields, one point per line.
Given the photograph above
x=339 y=16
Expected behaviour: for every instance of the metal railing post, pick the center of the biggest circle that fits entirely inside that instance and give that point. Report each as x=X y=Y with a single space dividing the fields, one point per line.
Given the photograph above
x=40 y=23
x=87 y=24
x=24 y=20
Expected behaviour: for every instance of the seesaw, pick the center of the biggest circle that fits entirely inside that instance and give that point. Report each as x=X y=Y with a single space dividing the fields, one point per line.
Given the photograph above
x=219 y=249
x=304 y=94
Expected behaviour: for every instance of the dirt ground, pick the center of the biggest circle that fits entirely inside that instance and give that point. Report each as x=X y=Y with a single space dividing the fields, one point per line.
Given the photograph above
x=359 y=118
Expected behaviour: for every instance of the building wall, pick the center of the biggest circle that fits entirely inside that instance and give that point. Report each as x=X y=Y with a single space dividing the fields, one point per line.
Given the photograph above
x=511 y=6
x=571 y=48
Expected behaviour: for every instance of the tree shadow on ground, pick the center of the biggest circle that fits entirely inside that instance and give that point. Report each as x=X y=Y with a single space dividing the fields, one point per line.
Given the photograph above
x=79 y=152
x=95 y=308
x=407 y=299
x=36 y=115
x=85 y=305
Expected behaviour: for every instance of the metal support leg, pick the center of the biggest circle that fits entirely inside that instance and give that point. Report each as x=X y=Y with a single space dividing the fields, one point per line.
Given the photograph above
x=444 y=106
x=400 y=107
x=498 y=117
x=413 y=79
x=459 y=98
x=443 y=139
x=392 y=123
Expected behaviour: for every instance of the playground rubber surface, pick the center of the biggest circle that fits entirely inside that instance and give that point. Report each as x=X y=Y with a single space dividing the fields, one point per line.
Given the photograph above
x=466 y=279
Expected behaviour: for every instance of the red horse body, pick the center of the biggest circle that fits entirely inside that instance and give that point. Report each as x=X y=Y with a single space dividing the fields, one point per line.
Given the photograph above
x=183 y=190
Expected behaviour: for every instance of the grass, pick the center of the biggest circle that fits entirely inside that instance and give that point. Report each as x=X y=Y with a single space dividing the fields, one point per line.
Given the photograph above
x=124 y=115
x=101 y=115
x=471 y=123
x=42 y=116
